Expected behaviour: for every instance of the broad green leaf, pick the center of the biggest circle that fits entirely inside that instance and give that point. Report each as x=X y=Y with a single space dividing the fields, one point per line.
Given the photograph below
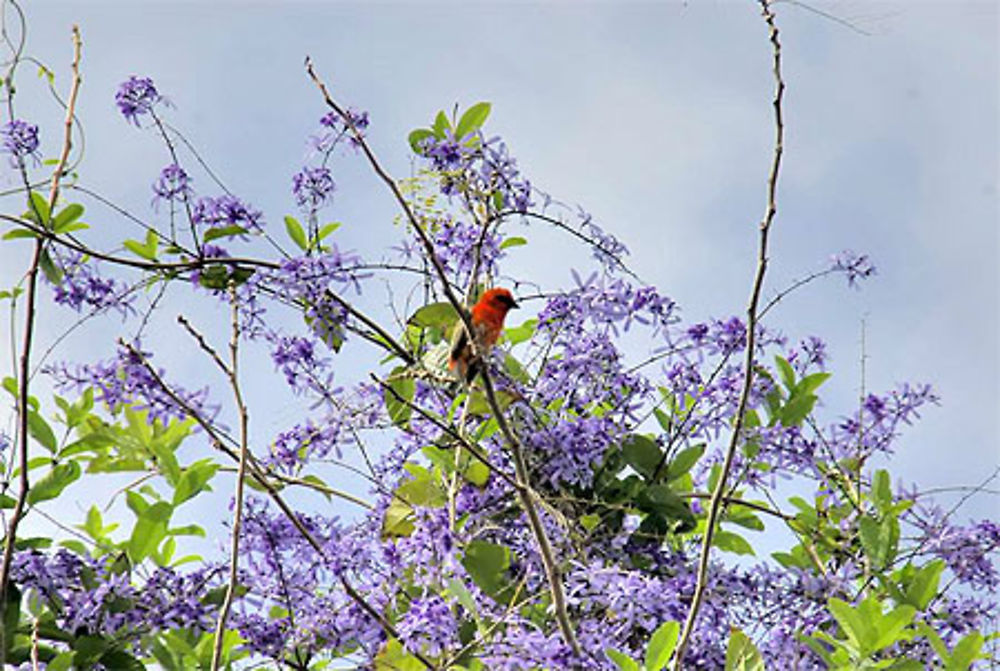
x=398 y=519
x=797 y=409
x=923 y=587
x=966 y=652
x=328 y=229
x=12 y=612
x=662 y=500
x=742 y=654
x=393 y=657
x=435 y=315
x=296 y=233
x=194 y=480
x=728 y=541
x=66 y=216
x=149 y=531
x=890 y=628
x=786 y=371
x=38 y=209
x=422 y=488
x=624 y=662
x=221 y=232
x=399 y=396
x=54 y=482
x=684 y=461
x=441 y=125
x=41 y=431
x=641 y=453
x=472 y=120
x=487 y=565
x=18 y=233
x=522 y=333
x=810 y=383
x=661 y=645
x=416 y=139
x=53 y=273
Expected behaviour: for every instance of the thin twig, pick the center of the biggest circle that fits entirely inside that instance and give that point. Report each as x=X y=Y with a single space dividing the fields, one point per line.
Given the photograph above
x=241 y=474
x=538 y=530
x=716 y=502
x=25 y=361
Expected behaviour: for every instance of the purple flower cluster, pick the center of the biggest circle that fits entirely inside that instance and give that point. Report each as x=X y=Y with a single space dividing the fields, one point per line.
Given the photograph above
x=136 y=97
x=88 y=596
x=125 y=380
x=429 y=626
x=19 y=139
x=457 y=244
x=173 y=184
x=313 y=188
x=227 y=210
x=855 y=266
x=81 y=287
x=335 y=128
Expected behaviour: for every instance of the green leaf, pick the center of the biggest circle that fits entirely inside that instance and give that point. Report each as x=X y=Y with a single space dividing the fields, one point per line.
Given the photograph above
x=850 y=621
x=441 y=125
x=434 y=315
x=966 y=652
x=522 y=333
x=797 y=409
x=513 y=241
x=727 y=541
x=398 y=519
x=416 y=137
x=661 y=500
x=810 y=383
x=150 y=529
x=328 y=229
x=422 y=488
x=624 y=662
x=41 y=431
x=684 y=461
x=642 y=453
x=399 y=396
x=194 y=480
x=67 y=216
x=923 y=587
x=786 y=371
x=12 y=613
x=742 y=654
x=661 y=645
x=38 y=209
x=487 y=565
x=393 y=657
x=892 y=625
x=146 y=250
x=17 y=233
x=52 y=485
x=296 y=233
x=472 y=120
x=53 y=273
x=222 y=232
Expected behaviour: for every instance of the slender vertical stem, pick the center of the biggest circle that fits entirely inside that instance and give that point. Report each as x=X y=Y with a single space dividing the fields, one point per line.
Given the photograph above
x=241 y=472
x=24 y=364
x=718 y=495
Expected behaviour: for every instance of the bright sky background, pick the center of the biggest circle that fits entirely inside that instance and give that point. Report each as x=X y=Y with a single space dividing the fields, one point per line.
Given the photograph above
x=655 y=117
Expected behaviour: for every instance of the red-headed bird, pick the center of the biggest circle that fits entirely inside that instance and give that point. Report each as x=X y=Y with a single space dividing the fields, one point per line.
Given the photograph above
x=487 y=323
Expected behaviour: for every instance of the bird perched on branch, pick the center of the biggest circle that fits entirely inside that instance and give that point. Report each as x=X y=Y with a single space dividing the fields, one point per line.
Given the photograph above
x=487 y=323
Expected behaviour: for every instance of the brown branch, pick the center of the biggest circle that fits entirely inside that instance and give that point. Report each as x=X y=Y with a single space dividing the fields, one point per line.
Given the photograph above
x=25 y=359
x=716 y=502
x=538 y=530
x=232 y=371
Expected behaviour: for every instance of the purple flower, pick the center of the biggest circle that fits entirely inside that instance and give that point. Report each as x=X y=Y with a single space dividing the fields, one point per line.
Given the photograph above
x=313 y=187
x=855 y=266
x=429 y=626
x=136 y=97
x=173 y=184
x=19 y=139
x=81 y=287
x=227 y=210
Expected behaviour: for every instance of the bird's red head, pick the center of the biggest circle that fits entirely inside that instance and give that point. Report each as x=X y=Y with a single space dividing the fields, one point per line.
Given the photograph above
x=498 y=299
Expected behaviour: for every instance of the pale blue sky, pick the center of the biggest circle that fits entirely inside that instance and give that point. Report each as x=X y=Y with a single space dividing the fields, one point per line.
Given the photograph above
x=655 y=117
